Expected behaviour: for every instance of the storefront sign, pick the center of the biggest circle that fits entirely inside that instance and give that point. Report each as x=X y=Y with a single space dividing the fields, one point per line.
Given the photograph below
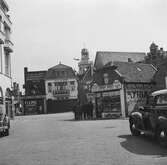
x=30 y=103
x=112 y=93
x=116 y=85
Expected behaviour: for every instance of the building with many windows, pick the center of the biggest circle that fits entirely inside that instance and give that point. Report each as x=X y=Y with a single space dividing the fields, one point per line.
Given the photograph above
x=61 y=88
x=5 y=60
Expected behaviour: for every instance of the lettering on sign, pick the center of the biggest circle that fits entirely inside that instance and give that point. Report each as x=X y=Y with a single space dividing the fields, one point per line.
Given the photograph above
x=116 y=85
x=30 y=102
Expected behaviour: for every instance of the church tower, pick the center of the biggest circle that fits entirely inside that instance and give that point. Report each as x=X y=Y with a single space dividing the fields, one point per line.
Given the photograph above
x=84 y=63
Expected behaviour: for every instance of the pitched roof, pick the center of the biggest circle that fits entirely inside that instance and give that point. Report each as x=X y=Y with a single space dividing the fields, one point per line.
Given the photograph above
x=60 y=71
x=60 y=66
x=103 y=57
x=135 y=72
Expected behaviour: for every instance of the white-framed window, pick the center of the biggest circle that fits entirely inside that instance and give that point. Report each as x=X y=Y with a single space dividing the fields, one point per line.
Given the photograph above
x=7 y=63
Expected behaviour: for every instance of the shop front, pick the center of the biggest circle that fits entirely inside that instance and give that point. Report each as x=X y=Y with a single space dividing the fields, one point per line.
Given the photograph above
x=108 y=100
x=137 y=94
x=34 y=106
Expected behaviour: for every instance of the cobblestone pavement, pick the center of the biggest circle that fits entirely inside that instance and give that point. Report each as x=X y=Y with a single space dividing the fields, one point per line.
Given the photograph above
x=58 y=140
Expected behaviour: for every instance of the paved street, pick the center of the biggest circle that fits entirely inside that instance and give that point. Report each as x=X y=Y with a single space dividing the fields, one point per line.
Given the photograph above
x=58 y=140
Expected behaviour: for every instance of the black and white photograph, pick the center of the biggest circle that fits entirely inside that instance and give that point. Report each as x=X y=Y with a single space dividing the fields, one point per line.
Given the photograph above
x=83 y=82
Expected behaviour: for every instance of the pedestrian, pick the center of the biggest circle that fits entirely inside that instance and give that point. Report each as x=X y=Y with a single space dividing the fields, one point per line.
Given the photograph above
x=74 y=111
x=91 y=109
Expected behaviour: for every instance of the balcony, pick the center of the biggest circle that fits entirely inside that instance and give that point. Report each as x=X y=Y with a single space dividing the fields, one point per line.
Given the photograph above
x=3 y=12
x=8 y=46
x=2 y=37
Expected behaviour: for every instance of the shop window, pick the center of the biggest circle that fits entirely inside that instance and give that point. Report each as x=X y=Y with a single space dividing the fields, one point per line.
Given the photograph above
x=73 y=88
x=72 y=82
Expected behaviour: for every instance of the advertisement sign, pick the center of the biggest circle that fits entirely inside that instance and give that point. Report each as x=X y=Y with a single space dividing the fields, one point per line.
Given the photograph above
x=99 y=88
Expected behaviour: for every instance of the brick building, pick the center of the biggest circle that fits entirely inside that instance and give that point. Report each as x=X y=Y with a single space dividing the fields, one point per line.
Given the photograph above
x=121 y=86
x=34 y=101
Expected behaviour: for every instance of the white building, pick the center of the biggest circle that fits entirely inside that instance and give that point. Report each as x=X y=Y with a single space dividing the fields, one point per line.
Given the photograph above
x=5 y=59
x=61 y=88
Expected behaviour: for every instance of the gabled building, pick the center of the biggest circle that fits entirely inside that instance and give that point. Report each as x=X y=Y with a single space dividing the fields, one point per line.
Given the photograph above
x=61 y=88
x=121 y=86
x=6 y=48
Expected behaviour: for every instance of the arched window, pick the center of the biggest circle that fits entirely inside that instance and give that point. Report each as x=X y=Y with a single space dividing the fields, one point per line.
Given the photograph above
x=8 y=94
x=1 y=96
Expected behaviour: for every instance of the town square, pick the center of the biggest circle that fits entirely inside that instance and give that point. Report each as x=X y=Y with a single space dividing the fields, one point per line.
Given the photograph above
x=83 y=82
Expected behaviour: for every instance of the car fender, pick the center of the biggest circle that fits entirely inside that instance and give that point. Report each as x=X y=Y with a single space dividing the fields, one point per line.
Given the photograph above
x=137 y=117
x=162 y=122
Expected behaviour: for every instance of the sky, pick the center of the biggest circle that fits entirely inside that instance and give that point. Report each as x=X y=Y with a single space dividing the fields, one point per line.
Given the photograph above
x=46 y=32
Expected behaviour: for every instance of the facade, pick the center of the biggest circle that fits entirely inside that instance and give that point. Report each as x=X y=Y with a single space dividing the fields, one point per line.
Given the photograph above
x=34 y=100
x=121 y=86
x=61 y=88
x=6 y=48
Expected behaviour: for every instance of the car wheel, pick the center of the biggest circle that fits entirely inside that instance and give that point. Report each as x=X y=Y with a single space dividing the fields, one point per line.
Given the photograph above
x=133 y=128
x=162 y=136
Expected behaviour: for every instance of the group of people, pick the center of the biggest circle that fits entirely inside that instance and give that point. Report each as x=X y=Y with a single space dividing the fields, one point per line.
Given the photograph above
x=83 y=111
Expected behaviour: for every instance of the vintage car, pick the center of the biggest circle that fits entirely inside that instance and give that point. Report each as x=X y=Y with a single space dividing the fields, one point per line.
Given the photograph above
x=4 y=125
x=151 y=119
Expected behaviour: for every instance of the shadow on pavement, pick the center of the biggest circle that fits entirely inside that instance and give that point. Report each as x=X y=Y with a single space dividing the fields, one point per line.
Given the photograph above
x=142 y=145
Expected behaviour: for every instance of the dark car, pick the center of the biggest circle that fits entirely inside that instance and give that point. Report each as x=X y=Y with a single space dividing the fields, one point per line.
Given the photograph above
x=151 y=119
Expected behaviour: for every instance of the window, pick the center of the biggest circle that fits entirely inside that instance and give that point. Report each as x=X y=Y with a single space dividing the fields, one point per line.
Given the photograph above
x=73 y=88
x=7 y=64
x=1 y=29
x=162 y=99
x=72 y=82
x=106 y=80
x=49 y=87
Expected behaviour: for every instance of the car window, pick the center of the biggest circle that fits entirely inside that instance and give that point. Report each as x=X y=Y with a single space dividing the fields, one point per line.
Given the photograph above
x=162 y=99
